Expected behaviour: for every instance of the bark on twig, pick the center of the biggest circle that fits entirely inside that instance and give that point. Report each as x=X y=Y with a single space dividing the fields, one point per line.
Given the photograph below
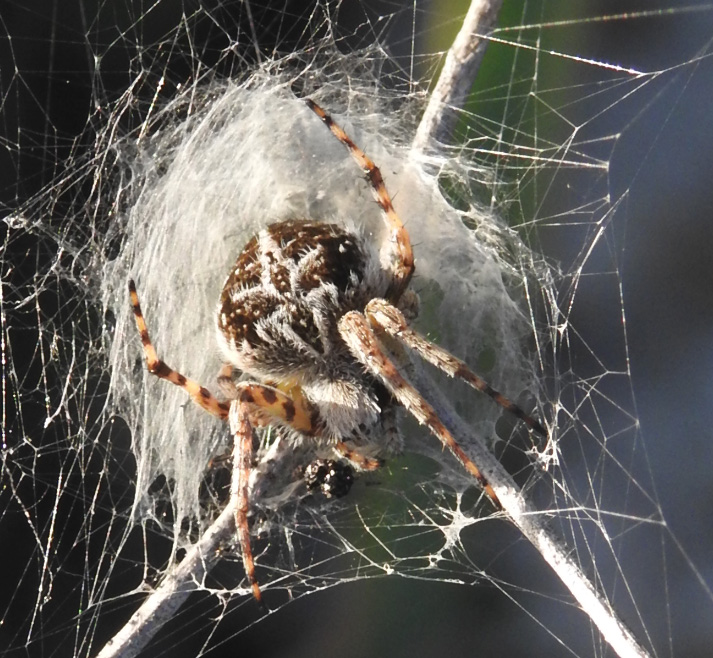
x=449 y=95
x=532 y=524
x=459 y=71
x=178 y=582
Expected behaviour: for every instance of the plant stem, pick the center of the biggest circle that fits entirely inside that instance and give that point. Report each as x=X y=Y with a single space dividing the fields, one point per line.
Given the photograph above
x=458 y=73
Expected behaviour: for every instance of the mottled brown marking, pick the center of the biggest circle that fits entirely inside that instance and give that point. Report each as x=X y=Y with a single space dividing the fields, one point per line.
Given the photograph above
x=289 y=409
x=340 y=255
x=269 y=395
x=319 y=252
x=247 y=269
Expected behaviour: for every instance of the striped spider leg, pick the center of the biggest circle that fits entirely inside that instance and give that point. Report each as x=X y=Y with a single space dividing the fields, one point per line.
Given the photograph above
x=251 y=404
x=399 y=242
x=383 y=315
x=364 y=345
x=357 y=330
x=250 y=397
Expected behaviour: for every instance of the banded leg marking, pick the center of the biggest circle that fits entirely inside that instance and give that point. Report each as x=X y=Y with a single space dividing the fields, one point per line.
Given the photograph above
x=364 y=346
x=387 y=317
x=362 y=462
x=242 y=465
x=200 y=395
x=293 y=412
x=251 y=399
x=404 y=268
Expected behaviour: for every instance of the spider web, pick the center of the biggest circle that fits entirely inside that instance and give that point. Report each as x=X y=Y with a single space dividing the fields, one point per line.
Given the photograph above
x=151 y=140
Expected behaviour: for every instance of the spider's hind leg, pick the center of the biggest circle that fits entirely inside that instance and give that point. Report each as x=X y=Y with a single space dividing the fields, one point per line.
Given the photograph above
x=253 y=403
x=400 y=243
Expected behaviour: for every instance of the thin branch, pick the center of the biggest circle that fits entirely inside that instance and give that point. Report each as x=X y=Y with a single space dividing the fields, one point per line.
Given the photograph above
x=456 y=79
x=534 y=528
x=186 y=577
x=458 y=73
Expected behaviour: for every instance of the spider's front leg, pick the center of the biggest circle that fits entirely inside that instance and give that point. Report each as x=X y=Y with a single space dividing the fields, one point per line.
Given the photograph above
x=356 y=332
x=385 y=316
x=242 y=431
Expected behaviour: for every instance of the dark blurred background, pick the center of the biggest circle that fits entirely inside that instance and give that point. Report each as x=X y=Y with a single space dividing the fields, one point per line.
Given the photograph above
x=659 y=183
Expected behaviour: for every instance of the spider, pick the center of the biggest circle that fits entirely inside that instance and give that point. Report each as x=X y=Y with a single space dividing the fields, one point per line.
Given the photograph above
x=305 y=315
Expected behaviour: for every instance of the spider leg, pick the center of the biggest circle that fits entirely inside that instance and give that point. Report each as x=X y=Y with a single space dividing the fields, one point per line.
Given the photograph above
x=362 y=462
x=200 y=395
x=403 y=269
x=259 y=401
x=382 y=314
x=263 y=403
x=356 y=332
x=242 y=432
x=225 y=381
x=293 y=412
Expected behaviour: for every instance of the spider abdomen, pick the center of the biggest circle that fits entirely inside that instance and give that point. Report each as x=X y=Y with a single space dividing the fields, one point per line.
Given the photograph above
x=278 y=312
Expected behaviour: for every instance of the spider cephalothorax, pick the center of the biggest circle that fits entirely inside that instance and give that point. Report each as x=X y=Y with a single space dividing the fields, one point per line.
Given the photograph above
x=304 y=315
